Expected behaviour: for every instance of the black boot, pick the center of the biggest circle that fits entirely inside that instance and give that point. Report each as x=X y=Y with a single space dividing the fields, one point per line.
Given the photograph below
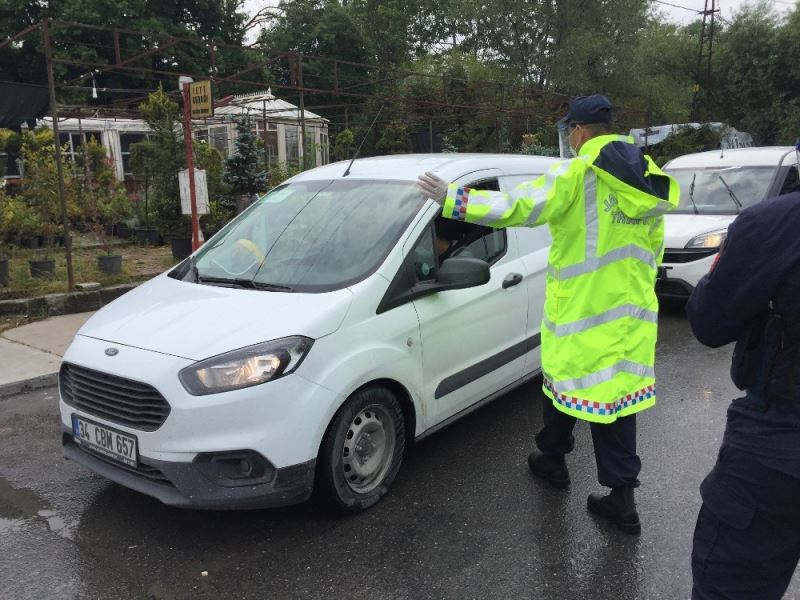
x=549 y=467
x=619 y=507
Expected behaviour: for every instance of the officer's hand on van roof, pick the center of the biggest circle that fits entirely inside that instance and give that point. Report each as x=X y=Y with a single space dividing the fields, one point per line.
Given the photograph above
x=433 y=187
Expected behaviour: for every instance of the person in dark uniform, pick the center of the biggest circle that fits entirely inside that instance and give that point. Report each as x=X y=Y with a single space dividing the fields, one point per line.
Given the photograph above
x=747 y=536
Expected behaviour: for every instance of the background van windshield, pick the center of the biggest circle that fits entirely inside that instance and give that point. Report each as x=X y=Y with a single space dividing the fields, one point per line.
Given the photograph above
x=312 y=236
x=749 y=184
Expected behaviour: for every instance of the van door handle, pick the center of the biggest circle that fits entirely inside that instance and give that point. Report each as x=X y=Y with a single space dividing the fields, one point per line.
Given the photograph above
x=511 y=280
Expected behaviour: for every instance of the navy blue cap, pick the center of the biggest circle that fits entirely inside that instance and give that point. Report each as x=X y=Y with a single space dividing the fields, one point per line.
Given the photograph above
x=585 y=110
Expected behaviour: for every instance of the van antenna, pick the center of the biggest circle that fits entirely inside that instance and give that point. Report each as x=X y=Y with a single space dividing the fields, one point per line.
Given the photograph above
x=364 y=139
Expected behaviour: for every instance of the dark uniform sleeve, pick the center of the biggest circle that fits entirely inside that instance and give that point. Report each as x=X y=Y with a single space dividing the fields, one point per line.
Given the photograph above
x=739 y=286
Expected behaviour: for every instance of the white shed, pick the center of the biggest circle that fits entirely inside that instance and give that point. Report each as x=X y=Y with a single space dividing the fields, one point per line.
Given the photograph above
x=278 y=125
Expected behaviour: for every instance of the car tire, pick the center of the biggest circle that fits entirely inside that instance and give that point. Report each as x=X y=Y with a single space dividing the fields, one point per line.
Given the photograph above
x=362 y=450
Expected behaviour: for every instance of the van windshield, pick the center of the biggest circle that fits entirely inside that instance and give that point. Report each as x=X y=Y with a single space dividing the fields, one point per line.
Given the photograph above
x=310 y=236
x=716 y=190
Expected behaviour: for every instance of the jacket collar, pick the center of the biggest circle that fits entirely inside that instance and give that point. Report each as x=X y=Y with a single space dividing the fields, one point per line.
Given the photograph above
x=593 y=146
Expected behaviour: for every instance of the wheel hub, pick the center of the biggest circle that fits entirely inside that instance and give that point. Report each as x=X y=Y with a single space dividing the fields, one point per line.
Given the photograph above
x=368 y=448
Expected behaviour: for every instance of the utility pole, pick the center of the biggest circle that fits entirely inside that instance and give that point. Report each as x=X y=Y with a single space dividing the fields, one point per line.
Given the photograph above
x=51 y=85
x=187 y=138
x=705 y=50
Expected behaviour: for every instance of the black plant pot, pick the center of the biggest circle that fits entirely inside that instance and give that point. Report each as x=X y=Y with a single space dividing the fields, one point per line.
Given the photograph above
x=32 y=242
x=3 y=272
x=110 y=265
x=43 y=269
x=181 y=247
x=123 y=231
x=148 y=236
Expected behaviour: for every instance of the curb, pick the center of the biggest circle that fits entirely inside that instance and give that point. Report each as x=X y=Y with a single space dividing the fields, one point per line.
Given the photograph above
x=54 y=305
x=8 y=390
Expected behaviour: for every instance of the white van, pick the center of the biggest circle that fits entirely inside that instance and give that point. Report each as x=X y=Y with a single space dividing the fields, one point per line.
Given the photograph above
x=333 y=322
x=715 y=187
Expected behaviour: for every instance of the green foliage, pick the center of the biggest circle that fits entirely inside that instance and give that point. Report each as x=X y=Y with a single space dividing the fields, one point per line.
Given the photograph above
x=40 y=192
x=244 y=171
x=344 y=145
x=157 y=162
x=221 y=20
x=221 y=200
x=104 y=201
x=533 y=146
x=280 y=173
x=395 y=139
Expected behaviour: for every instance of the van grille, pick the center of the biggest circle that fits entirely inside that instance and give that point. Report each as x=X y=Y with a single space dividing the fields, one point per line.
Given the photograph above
x=116 y=399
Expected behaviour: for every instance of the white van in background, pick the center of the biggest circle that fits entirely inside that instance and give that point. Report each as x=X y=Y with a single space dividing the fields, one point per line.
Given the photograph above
x=715 y=187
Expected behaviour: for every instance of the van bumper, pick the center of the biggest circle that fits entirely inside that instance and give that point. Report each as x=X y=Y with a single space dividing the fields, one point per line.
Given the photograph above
x=191 y=484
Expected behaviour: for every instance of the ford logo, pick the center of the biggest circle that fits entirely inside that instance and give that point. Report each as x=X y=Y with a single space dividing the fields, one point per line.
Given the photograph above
x=111 y=351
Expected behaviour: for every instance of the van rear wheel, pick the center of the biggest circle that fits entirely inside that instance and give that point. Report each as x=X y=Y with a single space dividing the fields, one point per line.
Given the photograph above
x=362 y=450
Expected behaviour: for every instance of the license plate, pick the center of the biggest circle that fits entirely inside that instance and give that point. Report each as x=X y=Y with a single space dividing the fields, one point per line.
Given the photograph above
x=104 y=440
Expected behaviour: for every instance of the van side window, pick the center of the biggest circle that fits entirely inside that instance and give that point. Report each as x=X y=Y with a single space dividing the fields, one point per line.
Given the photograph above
x=477 y=241
x=423 y=257
x=490 y=185
x=792 y=181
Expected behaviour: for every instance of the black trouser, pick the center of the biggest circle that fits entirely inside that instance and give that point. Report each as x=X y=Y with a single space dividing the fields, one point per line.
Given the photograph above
x=747 y=537
x=614 y=445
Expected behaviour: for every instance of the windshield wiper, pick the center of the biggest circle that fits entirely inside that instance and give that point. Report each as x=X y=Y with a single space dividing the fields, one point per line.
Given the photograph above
x=245 y=283
x=739 y=205
x=691 y=194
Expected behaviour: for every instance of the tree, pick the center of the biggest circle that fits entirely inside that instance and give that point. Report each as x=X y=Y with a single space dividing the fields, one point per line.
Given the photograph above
x=157 y=161
x=243 y=170
x=395 y=139
x=343 y=145
x=201 y=20
x=756 y=79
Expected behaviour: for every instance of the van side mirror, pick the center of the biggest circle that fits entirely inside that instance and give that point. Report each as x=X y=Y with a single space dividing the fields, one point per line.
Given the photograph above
x=462 y=272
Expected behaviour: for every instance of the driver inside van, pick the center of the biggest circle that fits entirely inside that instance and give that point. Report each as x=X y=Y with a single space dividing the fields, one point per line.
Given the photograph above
x=449 y=238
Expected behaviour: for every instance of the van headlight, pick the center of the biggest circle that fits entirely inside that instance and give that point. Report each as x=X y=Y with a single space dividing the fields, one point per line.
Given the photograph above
x=245 y=367
x=712 y=239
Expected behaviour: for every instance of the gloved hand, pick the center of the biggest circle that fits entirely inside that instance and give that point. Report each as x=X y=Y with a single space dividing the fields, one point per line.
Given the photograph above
x=433 y=187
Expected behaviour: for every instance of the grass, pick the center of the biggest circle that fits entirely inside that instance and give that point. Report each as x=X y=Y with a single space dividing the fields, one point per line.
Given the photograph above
x=138 y=263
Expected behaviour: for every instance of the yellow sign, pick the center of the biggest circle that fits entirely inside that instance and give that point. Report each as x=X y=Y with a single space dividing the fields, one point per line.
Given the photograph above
x=200 y=99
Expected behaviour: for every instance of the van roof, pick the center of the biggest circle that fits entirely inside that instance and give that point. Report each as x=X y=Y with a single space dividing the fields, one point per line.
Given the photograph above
x=407 y=167
x=766 y=156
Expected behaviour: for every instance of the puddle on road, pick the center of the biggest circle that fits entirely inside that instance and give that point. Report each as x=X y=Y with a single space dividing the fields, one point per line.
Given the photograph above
x=18 y=505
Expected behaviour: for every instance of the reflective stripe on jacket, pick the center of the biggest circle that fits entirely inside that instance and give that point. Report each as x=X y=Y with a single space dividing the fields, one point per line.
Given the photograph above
x=605 y=212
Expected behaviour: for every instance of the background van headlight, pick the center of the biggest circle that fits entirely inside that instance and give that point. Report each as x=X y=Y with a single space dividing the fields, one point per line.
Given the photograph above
x=712 y=239
x=245 y=367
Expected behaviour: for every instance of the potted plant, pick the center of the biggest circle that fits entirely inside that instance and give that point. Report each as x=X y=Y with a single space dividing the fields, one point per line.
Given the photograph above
x=115 y=208
x=6 y=215
x=106 y=204
x=40 y=194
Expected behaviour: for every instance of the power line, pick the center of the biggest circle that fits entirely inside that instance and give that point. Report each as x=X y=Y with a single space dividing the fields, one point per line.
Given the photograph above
x=694 y=10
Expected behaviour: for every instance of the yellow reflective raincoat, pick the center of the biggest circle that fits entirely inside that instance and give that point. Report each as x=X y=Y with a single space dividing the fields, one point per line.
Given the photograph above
x=605 y=212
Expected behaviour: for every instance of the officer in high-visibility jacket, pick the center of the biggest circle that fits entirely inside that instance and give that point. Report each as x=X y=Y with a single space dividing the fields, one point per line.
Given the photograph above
x=605 y=212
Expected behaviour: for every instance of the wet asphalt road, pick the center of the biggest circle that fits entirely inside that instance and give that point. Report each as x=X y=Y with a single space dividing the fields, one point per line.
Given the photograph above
x=464 y=519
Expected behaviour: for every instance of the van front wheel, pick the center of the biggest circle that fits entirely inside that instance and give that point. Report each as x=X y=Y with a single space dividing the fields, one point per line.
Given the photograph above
x=362 y=450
